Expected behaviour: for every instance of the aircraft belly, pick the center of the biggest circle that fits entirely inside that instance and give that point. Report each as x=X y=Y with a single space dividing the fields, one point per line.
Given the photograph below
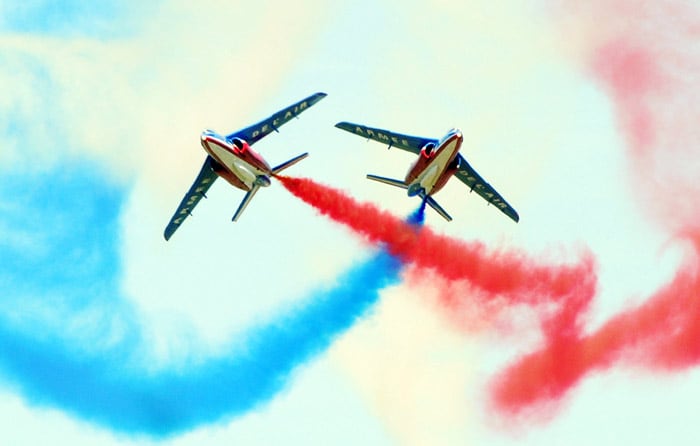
x=428 y=179
x=446 y=154
x=437 y=167
x=242 y=170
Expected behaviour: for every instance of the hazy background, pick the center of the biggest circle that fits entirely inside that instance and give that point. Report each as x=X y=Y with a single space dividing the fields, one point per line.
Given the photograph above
x=100 y=117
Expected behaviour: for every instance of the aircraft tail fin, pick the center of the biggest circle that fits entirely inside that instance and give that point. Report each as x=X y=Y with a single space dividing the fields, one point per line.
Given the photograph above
x=390 y=181
x=291 y=162
x=434 y=204
x=248 y=196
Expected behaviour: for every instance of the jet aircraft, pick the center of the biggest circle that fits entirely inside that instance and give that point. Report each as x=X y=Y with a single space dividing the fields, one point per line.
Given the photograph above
x=232 y=158
x=438 y=161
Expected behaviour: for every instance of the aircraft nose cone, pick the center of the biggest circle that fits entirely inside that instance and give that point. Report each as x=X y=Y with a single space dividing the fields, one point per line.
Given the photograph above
x=204 y=138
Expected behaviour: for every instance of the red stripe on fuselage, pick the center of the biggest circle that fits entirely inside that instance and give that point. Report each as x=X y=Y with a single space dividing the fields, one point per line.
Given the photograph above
x=245 y=158
x=442 y=158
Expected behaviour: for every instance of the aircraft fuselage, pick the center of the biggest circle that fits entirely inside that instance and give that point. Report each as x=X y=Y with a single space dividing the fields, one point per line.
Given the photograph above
x=435 y=165
x=236 y=162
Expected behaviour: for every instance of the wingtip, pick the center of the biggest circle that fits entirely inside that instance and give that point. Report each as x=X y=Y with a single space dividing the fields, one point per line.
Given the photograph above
x=314 y=98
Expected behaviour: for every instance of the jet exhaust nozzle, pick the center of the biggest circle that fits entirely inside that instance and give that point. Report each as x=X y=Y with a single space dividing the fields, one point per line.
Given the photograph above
x=415 y=189
x=262 y=180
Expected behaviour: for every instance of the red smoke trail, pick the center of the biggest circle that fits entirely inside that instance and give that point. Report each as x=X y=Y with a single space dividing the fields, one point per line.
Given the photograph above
x=508 y=277
x=653 y=79
x=662 y=334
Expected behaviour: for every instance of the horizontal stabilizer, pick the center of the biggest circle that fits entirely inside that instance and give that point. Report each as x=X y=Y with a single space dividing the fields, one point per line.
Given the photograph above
x=289 y=163
x=434 y=204
x=390 y=181
x=248 y=196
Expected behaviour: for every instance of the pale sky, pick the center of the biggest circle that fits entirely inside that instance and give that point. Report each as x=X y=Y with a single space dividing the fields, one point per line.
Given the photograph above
x=286 y=327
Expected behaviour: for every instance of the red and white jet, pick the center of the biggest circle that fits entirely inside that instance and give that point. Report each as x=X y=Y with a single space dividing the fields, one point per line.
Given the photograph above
x=232 y=158
x=438 y=161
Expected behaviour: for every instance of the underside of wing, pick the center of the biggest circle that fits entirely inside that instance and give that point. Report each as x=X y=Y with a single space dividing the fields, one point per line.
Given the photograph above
x=409 y=143
x=198 y=190
x=258 y=131
x=468 y=176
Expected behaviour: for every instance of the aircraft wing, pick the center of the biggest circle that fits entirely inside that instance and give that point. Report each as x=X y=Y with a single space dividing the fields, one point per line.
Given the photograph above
x=411 y=144
x=258 y=131
x=468 y=176
x=200 y=187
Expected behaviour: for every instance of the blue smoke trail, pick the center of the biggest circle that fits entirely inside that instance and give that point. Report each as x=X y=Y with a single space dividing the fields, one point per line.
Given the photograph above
x=109 y=19
x=417 y=217
x=60 y=256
